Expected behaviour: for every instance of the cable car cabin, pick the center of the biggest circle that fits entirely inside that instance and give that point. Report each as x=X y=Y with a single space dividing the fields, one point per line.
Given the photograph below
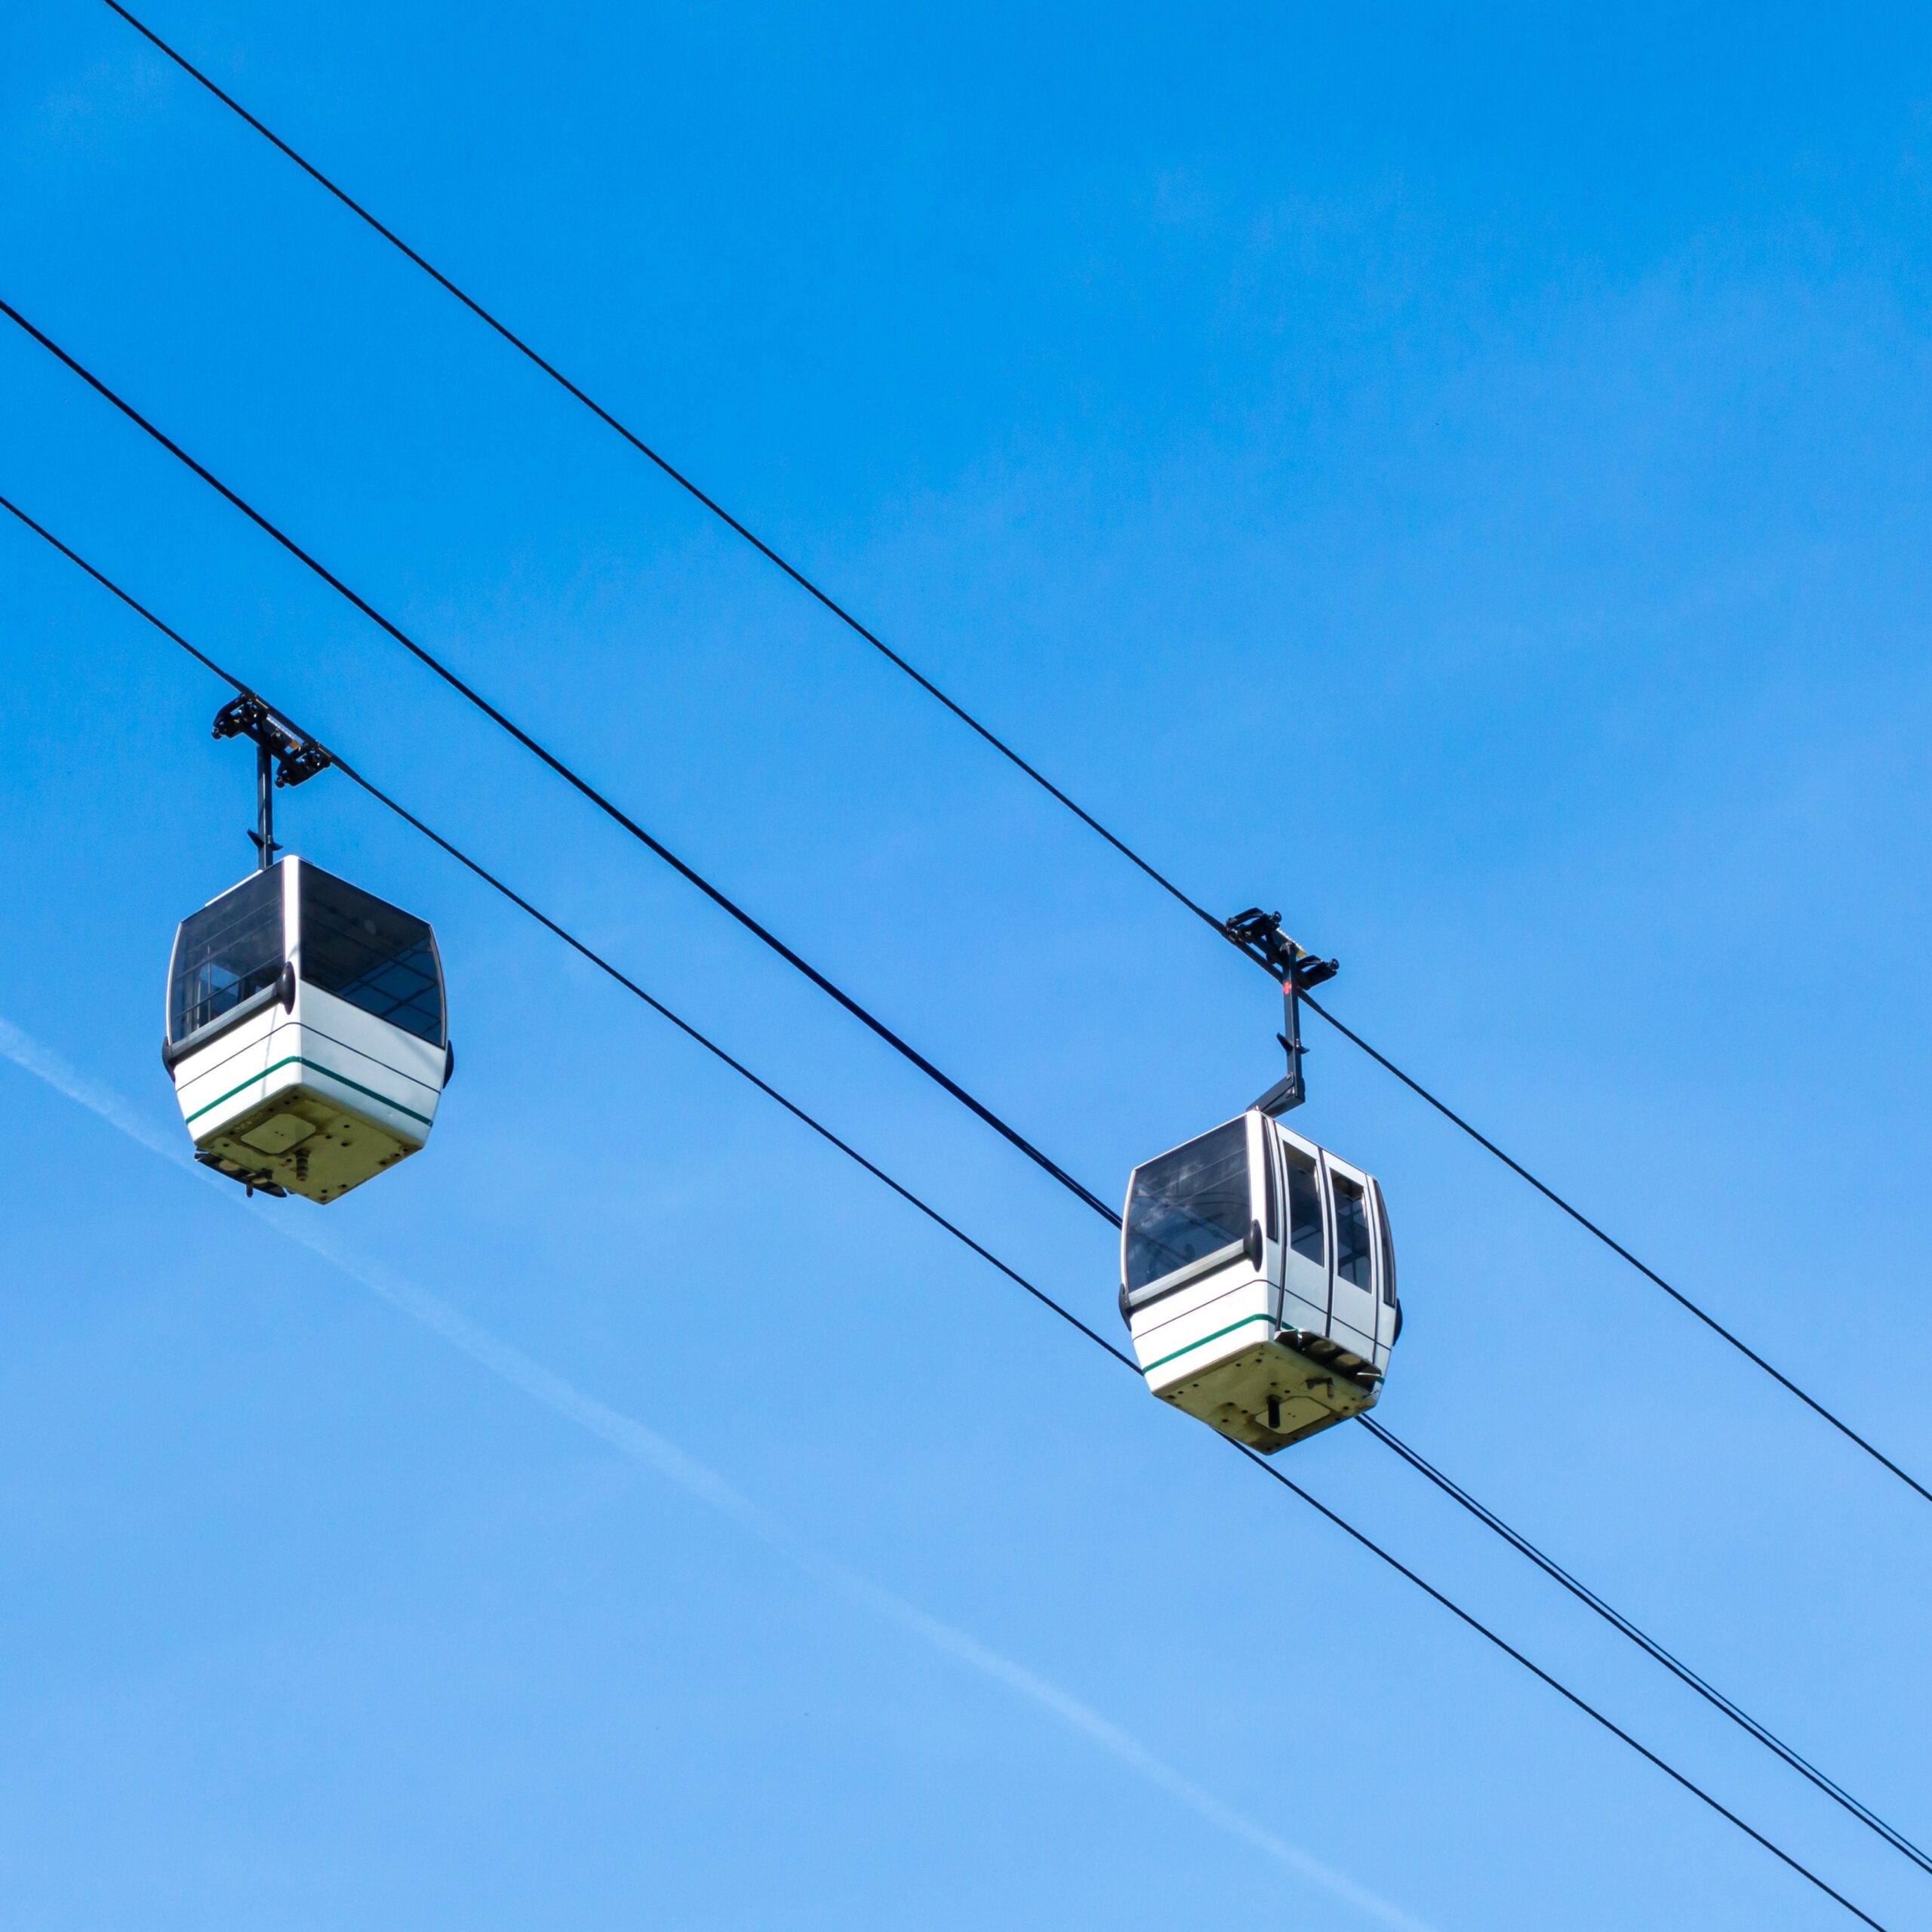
x=1258 y=1280
x=306 y=1034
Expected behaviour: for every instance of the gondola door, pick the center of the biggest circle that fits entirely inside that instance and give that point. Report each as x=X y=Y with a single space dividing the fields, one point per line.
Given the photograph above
x=1304 y=1257
x=1352 y=1277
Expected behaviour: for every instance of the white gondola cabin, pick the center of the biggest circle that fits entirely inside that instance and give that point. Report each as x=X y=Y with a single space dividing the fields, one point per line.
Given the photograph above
x=306 y=1037
x=1258 y=1280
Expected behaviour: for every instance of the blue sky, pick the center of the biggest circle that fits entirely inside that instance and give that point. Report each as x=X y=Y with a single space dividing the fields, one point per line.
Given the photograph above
x=1462 y=482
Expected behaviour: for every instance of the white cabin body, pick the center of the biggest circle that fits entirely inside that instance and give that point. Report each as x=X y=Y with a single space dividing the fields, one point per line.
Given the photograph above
x=1258 y=1281
x=306 y=1032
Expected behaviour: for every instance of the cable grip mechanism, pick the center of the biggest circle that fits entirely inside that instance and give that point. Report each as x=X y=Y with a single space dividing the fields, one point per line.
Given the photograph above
x=284 y=755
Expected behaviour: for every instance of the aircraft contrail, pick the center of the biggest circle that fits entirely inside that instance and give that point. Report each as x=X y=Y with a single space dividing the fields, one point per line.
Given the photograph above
x=631 y=1438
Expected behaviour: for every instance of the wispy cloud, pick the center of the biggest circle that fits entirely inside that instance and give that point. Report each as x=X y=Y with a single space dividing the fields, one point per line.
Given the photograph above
x=642 y=1444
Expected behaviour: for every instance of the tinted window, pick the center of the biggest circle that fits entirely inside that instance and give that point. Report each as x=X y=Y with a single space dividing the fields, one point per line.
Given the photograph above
x=1388 y=1248
x=226 y=951
x=1351 y=1255
x=365 y=951
x=1304 y=1207
x=1188 y=1203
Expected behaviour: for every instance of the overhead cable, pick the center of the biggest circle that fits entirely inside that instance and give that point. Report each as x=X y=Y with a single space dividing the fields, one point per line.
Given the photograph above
x=859 y=629
x=1075 y=1187
x=571 y=778
x=596 y=959
x=644 y=449
x=941 y=1221
x=1676 y=1666
x=1617 y=1248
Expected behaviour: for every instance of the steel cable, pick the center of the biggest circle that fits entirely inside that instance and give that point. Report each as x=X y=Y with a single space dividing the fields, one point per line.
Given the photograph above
x=1617 y=1248
x=581 y=785
x=663 y=462
x=1676 y=1666
x=860 y=629
x=1082 y=1192
x=939 y=1220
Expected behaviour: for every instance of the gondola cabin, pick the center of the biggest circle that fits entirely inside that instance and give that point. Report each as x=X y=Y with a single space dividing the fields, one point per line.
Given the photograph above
x=306 y=1032
x=1258 y=1281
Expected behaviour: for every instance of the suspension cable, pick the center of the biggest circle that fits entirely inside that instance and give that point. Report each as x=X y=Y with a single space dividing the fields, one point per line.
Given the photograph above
x=1617 y=1248
x=933 y=1214
x=1455 y=1610
x=861 y=630
x=630 y=985
x=1676 y=1666
x=1079 y=1189
x=582 y=785
x=678 y=476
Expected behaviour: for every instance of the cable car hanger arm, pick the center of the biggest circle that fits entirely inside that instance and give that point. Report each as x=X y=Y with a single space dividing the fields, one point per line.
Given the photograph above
x=1258 y=935
x=293 y=758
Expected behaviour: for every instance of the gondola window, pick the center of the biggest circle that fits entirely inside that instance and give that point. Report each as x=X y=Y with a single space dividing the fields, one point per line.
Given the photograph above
x=231 y=949
x=1304 y=1207
x=372 y=955
x=1352 y=1262
x=1188 y=1205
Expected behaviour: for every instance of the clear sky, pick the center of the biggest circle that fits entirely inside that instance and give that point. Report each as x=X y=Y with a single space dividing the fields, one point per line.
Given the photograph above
x=1462 y=481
